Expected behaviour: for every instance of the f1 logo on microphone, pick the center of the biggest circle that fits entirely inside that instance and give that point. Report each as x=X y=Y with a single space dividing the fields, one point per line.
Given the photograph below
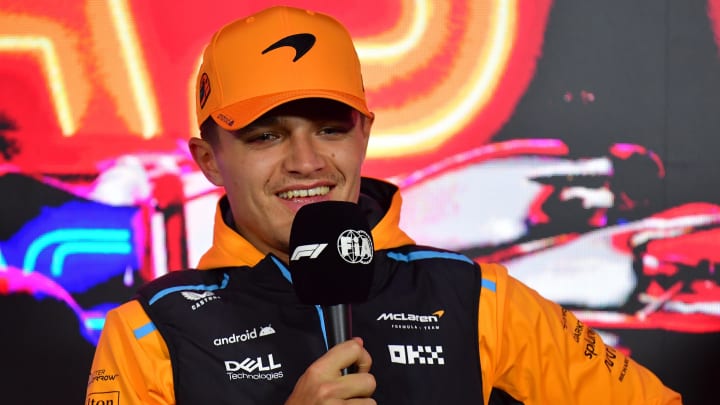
x=312 y=251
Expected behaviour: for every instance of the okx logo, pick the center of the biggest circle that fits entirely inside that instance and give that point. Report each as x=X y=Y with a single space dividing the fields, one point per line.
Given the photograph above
x=407 y=354
x=254 y=368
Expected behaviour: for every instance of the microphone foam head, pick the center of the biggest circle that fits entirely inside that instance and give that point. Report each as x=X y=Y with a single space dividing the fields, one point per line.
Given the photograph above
x=331 y=253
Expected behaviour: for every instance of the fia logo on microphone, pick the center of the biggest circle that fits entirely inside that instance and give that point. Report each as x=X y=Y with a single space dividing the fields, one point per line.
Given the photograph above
x=355 y=246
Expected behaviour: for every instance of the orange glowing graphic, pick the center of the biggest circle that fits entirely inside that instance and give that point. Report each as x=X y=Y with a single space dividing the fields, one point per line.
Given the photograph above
x=125 y=77
x=54 y=48
x=57 y=49
x=431 y=69
x=431 y=118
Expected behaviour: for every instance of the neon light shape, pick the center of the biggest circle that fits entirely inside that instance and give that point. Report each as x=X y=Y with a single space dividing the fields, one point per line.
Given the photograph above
x=50 y=63
x=94 y=323
x=3 y=262
x=66 y=249
x=515 y=147
x=134 y=63
x=417 y=37
x=40 y=285
x=418 y=26
x=67 y=235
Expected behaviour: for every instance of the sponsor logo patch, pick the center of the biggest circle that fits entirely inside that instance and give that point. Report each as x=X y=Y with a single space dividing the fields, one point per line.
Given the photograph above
x=411 y=355
x=254 y=368
x=103 y=398
x=204 y=89
x=311 y=251
x=355 y=246
x=101 y=375
x=401 y=320
x=227 y=120
x=199 y=298
x=302 y=43
x=244 y=337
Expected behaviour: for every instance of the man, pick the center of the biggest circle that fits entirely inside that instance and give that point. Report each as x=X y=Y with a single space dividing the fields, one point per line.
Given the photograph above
x=284 y=123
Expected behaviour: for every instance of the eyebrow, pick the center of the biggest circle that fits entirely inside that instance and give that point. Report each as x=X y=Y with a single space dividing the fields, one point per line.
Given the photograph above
x=269 y=120
x=260 y=122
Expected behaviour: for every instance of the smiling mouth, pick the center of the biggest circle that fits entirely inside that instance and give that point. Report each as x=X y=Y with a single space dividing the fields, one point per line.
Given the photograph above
x=308 y=192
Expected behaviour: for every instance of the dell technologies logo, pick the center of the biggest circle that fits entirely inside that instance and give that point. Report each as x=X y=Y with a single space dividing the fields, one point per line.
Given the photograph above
x=254 y=368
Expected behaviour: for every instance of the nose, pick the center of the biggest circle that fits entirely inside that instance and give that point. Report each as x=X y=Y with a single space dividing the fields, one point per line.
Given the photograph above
x=303 y=155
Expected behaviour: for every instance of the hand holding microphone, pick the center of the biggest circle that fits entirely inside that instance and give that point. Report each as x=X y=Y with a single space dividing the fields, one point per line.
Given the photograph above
x=331 y=251
x=321 y=382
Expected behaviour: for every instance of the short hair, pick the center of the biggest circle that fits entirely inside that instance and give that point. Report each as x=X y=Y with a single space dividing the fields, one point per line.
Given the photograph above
x=209 y=131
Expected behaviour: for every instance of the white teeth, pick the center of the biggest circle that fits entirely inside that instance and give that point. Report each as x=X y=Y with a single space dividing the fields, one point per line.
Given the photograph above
x=311 y=192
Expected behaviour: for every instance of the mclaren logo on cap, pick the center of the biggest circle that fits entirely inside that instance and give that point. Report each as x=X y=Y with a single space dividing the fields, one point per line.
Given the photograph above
x=302 y=43
x=204 y=90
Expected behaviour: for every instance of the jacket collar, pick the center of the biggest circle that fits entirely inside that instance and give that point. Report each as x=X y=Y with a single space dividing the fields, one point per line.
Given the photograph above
x=381 y=202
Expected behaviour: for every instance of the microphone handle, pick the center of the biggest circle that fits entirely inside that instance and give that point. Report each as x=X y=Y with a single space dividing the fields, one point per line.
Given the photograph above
x=338 y=326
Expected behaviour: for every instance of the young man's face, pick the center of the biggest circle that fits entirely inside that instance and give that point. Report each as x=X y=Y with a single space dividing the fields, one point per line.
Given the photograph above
x=301 y=152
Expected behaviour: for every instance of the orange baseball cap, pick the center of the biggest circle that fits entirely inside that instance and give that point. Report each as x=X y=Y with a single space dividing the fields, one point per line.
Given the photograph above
x=277 y=55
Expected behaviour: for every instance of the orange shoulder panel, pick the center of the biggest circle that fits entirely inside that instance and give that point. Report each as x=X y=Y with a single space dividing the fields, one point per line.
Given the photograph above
x=540 y=353
x=131 y=364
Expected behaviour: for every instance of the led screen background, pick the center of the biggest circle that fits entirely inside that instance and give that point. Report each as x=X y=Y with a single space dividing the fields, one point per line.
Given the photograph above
x=574 y=141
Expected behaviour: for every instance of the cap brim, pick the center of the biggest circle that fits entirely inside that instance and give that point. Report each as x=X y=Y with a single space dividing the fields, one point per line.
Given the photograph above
x=240 y=114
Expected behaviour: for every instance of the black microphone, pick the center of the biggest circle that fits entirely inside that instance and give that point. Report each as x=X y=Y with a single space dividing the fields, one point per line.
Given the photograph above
x=331 y=252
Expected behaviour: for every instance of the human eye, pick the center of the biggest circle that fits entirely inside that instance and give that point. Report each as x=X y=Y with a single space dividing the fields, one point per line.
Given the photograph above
x=330 y=130
x=261 y=137
x=334 y=130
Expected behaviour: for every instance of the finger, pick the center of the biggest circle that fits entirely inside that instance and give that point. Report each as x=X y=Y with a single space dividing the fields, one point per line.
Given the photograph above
x=351 y=386
x=344 y=355
x=323 y=380
x=361 y=401
x=364 y=361
x=314 y=387
x=359 y=385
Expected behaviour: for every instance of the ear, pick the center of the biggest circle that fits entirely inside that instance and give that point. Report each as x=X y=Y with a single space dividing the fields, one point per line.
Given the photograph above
x=204 y=156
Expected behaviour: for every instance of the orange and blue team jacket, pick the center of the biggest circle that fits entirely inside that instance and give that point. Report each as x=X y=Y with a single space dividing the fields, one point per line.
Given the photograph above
x=439 y=327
